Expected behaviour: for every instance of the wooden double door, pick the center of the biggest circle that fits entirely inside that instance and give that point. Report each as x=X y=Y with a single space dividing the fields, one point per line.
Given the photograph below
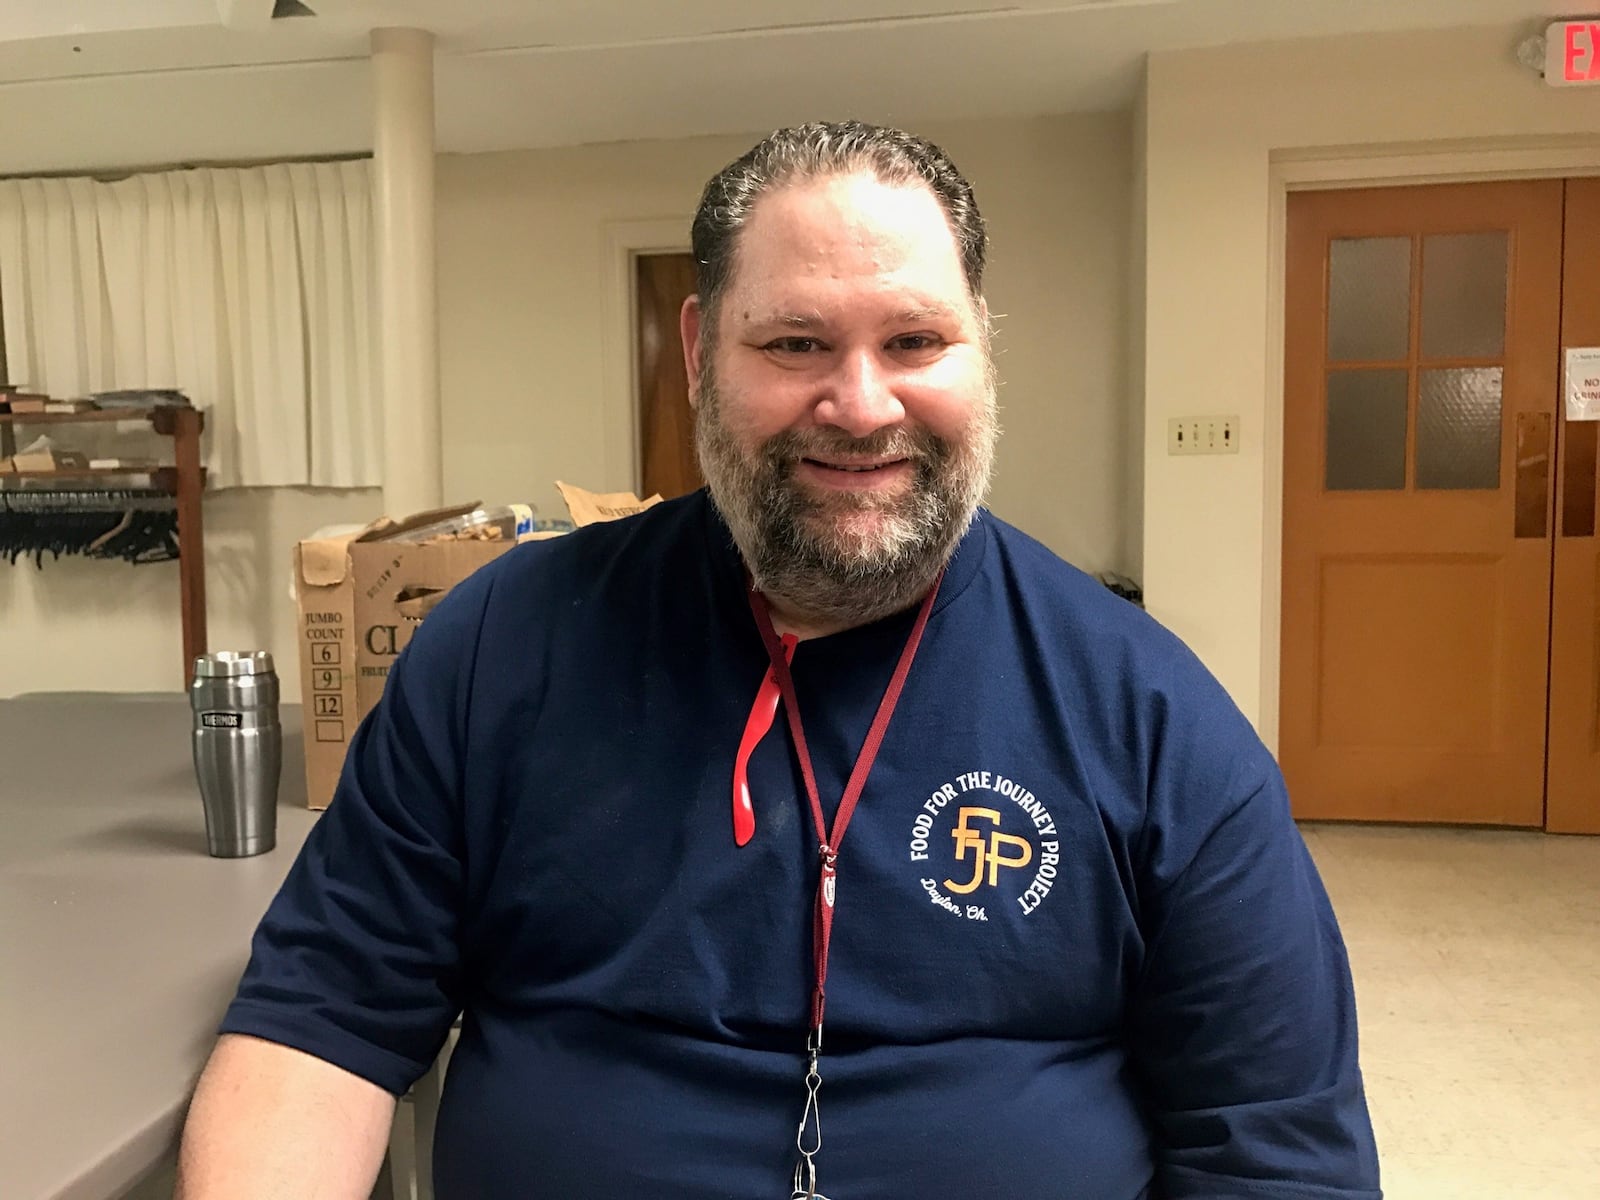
x=1441 y=570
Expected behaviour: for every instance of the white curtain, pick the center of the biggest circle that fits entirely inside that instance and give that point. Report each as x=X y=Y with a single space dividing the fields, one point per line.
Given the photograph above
x=249 y=289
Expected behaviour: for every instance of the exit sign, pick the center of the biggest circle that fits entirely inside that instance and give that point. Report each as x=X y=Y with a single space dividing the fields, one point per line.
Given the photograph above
x=1572 y=53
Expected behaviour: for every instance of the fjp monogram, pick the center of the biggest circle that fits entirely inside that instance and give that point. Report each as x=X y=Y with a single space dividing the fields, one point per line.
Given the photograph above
x=985 y=849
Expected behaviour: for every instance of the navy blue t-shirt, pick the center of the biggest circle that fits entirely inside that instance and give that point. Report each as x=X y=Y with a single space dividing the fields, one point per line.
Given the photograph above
x=1079 y=950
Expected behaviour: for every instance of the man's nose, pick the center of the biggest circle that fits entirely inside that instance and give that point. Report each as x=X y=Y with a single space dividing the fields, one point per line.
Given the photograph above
x=861 y=397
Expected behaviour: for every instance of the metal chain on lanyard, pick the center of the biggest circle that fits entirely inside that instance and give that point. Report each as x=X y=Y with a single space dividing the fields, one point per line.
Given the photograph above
x=808 y=1139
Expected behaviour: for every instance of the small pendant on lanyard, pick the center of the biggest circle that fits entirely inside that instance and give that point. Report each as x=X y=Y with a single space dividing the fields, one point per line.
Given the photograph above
x=808 y=1139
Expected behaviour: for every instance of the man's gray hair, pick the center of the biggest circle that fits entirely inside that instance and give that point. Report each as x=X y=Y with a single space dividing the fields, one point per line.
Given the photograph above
x=806 y=152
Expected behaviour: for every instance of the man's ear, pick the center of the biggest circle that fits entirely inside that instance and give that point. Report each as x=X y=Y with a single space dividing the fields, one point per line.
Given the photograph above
x=690 y=325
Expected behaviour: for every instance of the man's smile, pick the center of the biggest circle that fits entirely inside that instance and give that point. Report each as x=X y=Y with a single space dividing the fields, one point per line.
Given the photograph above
x=854 y=475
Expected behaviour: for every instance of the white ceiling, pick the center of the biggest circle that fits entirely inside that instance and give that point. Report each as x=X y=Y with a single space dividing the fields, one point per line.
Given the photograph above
x=103 y=83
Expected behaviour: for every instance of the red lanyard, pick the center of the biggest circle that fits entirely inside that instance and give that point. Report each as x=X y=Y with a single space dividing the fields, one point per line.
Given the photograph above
x=828 y=841
x=809 y=1137
x=755 y=728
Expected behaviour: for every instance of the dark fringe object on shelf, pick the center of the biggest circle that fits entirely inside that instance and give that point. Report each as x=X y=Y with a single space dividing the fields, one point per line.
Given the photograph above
x=134 y=525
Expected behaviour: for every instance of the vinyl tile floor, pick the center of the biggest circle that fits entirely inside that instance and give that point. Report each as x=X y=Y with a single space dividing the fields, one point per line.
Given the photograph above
x=1476 y=957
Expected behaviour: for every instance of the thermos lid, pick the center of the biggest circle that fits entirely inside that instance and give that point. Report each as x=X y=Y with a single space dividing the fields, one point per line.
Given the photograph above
x=229 y=663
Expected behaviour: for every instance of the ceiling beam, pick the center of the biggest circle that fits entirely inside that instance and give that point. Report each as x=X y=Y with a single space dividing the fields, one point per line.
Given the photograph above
x=244 y=14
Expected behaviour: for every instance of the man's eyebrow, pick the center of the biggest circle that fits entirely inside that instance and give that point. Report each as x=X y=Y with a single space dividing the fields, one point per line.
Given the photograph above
x=813 y=320
x=926 y=312
x=789 y=320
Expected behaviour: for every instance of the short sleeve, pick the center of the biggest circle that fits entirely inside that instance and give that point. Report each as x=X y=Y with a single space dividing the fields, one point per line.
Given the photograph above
x=357 y=960
x=1243 y=1025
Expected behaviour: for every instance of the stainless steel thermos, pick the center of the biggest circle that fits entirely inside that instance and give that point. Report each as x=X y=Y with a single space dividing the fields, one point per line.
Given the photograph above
x=238 y=750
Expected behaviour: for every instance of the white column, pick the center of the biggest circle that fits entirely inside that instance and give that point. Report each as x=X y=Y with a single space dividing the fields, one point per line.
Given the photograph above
x=408 y=304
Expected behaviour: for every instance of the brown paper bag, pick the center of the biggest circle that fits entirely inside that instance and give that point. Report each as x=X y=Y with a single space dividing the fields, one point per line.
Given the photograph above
x=589 y=507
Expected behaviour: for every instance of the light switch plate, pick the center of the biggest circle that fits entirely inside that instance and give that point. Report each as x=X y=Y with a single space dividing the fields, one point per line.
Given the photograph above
x=1203 y=435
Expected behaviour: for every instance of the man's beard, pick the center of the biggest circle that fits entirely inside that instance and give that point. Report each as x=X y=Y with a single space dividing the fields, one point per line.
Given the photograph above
x=839 y=556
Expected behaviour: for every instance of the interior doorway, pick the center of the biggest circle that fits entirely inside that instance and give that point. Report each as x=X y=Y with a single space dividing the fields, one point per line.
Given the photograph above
x=662 y=282
x=1440 y=564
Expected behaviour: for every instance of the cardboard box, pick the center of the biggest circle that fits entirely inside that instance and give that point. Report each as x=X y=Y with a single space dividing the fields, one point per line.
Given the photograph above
x=352 y=626
x=361 y=597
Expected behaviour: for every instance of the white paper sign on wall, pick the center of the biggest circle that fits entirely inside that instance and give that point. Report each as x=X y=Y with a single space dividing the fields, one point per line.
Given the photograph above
x=1583 y=383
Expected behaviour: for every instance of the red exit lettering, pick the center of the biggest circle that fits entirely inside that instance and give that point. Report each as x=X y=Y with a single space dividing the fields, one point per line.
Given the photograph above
x=1579 y=63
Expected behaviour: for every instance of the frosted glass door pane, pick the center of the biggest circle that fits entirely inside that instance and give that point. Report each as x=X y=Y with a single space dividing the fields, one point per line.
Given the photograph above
x=1366 y=430
x=1464 y=295
x=1458 y=428
x=1369 y=299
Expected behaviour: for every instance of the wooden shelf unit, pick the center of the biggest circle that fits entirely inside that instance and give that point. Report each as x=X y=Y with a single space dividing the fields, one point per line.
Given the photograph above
x=184 y=479
x=140 y=413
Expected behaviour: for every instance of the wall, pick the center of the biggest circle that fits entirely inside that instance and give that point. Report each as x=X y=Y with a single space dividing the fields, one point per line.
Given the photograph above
x=225 y=114
x=1133 y=493
x=1217 y=120
x=522 y=271
x=1056 y=193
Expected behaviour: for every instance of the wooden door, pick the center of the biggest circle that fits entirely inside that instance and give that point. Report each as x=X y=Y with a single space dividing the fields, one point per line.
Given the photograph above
x=662 y=282
x=1574 y=770
x=1419 y=428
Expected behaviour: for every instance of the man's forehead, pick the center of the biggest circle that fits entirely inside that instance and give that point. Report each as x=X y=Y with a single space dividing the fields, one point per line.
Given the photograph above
x=846 y=207
x=843 y=232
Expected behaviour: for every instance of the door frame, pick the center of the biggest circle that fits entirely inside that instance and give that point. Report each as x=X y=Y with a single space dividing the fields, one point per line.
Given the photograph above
x=1333 y=168
x=621 y=243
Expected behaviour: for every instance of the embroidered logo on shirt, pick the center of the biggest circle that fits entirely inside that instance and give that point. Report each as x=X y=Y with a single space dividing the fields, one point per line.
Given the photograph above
x=986 y=849
x=986 y=839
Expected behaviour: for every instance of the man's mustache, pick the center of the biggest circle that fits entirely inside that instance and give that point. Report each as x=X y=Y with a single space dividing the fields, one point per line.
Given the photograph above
x=790 y=447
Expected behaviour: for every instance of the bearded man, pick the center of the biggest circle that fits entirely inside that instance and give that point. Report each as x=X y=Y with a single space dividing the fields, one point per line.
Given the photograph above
x=1007 y=900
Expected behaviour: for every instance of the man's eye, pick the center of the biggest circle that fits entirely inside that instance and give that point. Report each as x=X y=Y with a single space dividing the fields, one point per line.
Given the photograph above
x=914 y=342
x=794 y=345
